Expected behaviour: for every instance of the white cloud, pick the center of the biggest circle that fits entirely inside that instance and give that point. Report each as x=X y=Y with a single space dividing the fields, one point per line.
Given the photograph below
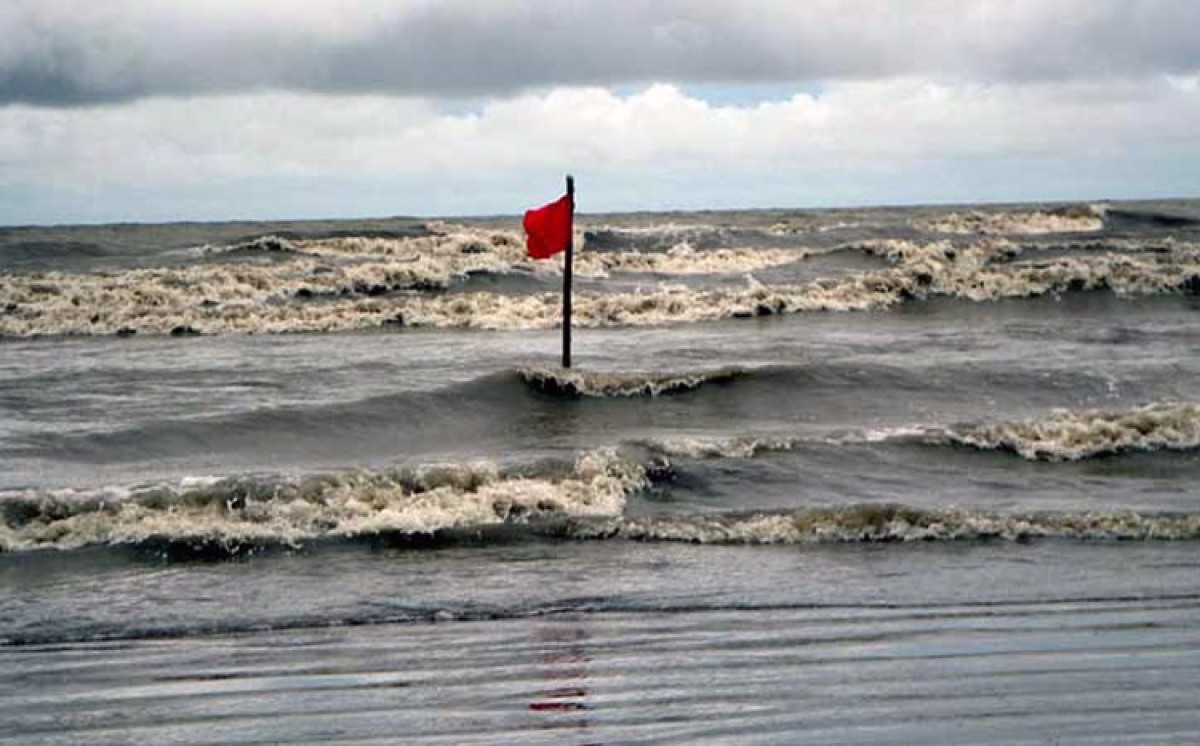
x=858 y=140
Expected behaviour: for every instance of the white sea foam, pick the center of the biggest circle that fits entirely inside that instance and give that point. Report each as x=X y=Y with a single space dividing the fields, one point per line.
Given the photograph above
x=812 y=225
x=873 y=523
x=660 y=231
x=249 y=297
x=590 y=497
x=1069 y=436
x=600 y=384
x=683 y=259
x=1062 y=435
x=974 y=273
x=309 y=294
x=1078 y=219
x=417 y=501
x=701 y=447
x=751 y=446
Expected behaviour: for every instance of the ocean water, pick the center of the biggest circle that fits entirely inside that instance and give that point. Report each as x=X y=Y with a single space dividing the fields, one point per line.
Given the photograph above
x=879 y=475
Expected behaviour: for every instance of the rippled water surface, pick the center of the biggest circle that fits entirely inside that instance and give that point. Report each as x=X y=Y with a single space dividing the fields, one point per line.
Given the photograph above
x=923 y=475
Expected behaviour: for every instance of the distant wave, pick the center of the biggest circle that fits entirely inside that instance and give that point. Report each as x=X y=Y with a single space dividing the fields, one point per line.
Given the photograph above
x=311 y=295
x=985 y=270
x=36 y=255
x=794 y=226
x=684 y=259
x=598 y=384
x=329 y=284
x=1075 y=219
x=1139 y=216
x=232 y=514
x=657 y=237
x=276 y=296
x=778 y=228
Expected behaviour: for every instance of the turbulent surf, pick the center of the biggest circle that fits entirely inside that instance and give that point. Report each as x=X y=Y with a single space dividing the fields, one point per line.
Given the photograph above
x=299 y=462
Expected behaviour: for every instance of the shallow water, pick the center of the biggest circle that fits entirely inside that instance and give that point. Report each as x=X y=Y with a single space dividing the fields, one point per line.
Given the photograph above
x=626 y=643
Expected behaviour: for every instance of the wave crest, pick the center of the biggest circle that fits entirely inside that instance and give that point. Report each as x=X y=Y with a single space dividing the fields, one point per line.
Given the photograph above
x=1062 y=435
x=683 y=259
x=308 y=294
x=877 y=523
x=1071 y=436
x=1073 y=219
x=246 y=512
x=751 y=446
x=599 y=384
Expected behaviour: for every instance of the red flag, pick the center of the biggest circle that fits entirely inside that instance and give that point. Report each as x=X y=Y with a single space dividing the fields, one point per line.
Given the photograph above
x=549 y=228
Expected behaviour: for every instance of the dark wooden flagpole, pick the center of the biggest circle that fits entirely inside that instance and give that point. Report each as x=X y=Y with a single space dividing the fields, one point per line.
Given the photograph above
x=566 y=313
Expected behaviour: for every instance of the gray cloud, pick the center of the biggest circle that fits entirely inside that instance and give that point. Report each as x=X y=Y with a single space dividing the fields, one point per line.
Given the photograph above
x=78 y=52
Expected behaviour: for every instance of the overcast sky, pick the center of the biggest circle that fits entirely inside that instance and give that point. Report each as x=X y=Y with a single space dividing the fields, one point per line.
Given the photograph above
x=217 y=109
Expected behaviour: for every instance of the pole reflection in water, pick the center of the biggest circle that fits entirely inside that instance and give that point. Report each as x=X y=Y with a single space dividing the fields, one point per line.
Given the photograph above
x=562 y=663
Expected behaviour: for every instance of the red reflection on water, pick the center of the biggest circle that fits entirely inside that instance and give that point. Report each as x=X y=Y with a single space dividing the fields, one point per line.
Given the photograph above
x=562 y=663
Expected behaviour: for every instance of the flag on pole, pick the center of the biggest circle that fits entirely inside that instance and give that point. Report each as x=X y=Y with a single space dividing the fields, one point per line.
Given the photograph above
x=549 y=231
x=549 y=228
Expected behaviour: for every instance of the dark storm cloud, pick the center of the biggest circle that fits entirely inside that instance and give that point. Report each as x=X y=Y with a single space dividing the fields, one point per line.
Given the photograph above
x=78 y=52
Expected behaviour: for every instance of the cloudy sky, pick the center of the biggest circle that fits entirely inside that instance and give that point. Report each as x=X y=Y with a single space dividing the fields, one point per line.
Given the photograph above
x=131 y=110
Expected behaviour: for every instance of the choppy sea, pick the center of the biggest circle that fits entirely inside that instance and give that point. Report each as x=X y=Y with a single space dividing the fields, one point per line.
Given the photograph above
x=878 y=475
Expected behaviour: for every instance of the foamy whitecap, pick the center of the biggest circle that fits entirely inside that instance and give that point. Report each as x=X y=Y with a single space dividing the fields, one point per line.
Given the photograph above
x=683 y=259
x=458 y=250
x=307 y=295
x=1069 y=436
x=219 y=297
x=600 y=384
x=875 y=523
x=976 y=272
x=656 y=233
x=1076 y=219
x=423 y=500
x=811 y=224
x=444 y=241
x=701 y=447
x=750 y=446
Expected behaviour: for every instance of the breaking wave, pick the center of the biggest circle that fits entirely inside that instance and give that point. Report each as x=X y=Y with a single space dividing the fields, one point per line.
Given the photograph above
x=1070 y=436
x=874 y=523
x=248 y=512
x=1062 y=435
x=586 y=498
x=751 y=446
x=598 y=384
x=1074 y=219
x=329 y=284
x=461 y=502
x=310 y=294
x=684 y=259
x=302 y=293
x=658 y=237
